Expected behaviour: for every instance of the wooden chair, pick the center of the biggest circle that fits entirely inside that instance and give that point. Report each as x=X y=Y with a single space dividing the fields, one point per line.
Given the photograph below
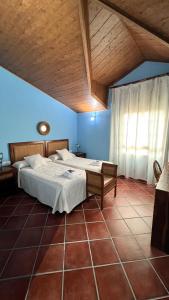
x=102 y=183
x=157 y=170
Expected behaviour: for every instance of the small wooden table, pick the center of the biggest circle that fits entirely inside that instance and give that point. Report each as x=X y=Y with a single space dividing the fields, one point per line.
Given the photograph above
x=160 y=228
x=80 y=154
x=8 y=179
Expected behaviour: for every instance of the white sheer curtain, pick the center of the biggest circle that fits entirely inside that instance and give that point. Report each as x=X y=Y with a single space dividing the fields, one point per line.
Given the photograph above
x=140 y=127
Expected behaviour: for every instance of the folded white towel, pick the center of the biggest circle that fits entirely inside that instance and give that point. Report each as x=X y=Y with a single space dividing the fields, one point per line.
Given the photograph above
x=68 y=174
x=95 y=163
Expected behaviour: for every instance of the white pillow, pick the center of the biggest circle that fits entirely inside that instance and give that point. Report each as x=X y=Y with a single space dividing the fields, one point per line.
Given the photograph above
x=65 y=154
x=35 y=160
x=20 y=164
x=54 y=157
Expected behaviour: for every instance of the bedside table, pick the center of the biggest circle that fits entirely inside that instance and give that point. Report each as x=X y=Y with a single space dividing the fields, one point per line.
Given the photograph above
x=8 y=179
x=80 y=154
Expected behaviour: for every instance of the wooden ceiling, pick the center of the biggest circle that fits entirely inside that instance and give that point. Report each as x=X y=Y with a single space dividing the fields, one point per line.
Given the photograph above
x=74 y=49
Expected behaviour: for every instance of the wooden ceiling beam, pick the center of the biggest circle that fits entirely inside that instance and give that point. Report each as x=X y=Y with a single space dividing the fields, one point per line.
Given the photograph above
x=112 y=7
x=97 y=91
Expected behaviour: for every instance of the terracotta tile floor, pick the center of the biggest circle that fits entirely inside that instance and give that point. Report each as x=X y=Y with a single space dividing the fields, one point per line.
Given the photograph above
x=86 y=255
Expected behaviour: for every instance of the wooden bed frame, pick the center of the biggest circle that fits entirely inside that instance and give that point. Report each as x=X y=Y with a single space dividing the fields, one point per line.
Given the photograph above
x=52 y=146
x=21 y=149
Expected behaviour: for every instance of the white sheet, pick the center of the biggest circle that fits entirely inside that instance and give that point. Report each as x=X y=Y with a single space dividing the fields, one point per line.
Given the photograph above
x=81 y=163
x=50 y=187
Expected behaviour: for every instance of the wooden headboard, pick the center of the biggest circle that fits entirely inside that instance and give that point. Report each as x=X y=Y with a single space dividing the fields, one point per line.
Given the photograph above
x=52 y=146
x=19 y=150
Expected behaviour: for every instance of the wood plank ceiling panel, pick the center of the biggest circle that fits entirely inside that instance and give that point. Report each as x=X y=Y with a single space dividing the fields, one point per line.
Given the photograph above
x=153 y=14
x=113 y=50
x=73 y=49
x=40 y=41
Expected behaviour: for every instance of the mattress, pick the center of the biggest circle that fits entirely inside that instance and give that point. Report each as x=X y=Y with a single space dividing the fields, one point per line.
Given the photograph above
x=49 y=185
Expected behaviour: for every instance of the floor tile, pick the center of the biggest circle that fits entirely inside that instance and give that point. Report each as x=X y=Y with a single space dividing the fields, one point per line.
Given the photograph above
x=79 y=284
x=29 y=237
x=97 y=230
x=148 y=221
x=90 y=204
x=134 y=200
x=137 y=226
x=103 y=252
x=93 y=215
x=79 y=207
x=144 y=241
x=36 y=220
x=77 y=255
x=4 y=254
x=112 y=283
x=120 y=202
x=144 y=210
x=162 y=267
x=109 y=201
x=15 y=222
x=144 y=280
x=127 y=212
x=28 y=200
x=133 y=204
x=20 y=263
x=128 y=248
x=118 y=228
x=3 y=220
x=76 y=232
x=46 y=287
x=40 y=208
x=14 y=289
x=75 y=217
x=50 y=258
x=111 y=213
x=55 y=219
x=8 y=238
x=23 y=210
x=12 y=200
x=6 y=211
x=53 y=235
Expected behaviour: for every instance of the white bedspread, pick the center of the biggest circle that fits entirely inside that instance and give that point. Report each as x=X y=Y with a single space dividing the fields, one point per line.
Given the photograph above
x=49 y=186
x=82 y=163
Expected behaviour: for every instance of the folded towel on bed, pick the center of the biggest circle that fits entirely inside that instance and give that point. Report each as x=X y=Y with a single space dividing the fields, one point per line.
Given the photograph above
x=68 y=174
x=95 y=163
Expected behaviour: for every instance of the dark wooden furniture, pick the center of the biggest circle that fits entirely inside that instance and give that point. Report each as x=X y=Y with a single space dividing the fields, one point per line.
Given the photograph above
x=80 y=154
x=52 y=146
x=19 y=150
x=157 y=170
x=160 y=228
x=8 y=180
x=102 y=183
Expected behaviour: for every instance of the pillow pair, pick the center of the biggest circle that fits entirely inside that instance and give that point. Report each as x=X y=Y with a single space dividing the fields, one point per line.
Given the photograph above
x=62 y=154
x=34 y=161
x=65 y=154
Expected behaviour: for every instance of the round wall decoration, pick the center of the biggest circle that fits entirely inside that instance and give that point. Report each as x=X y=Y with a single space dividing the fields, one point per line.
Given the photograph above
x=43 y=128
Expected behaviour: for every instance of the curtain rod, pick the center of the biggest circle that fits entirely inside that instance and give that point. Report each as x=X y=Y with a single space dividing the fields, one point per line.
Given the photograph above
x=141 y=80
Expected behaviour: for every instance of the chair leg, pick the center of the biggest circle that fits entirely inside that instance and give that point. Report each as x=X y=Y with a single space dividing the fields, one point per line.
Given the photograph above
x=87 y=195
x=115 y=190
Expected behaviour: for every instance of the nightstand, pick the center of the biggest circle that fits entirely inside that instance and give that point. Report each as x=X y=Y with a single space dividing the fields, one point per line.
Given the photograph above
x=80 y=154
x=8 y=180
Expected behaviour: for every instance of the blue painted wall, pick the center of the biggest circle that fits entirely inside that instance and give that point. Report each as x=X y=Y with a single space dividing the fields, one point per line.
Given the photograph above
x=94 y=137
x=22 y=106
x=145 y=70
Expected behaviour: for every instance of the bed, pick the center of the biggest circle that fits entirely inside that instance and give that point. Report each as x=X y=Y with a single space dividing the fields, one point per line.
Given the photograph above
x=47 y=183
x=74 y=162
